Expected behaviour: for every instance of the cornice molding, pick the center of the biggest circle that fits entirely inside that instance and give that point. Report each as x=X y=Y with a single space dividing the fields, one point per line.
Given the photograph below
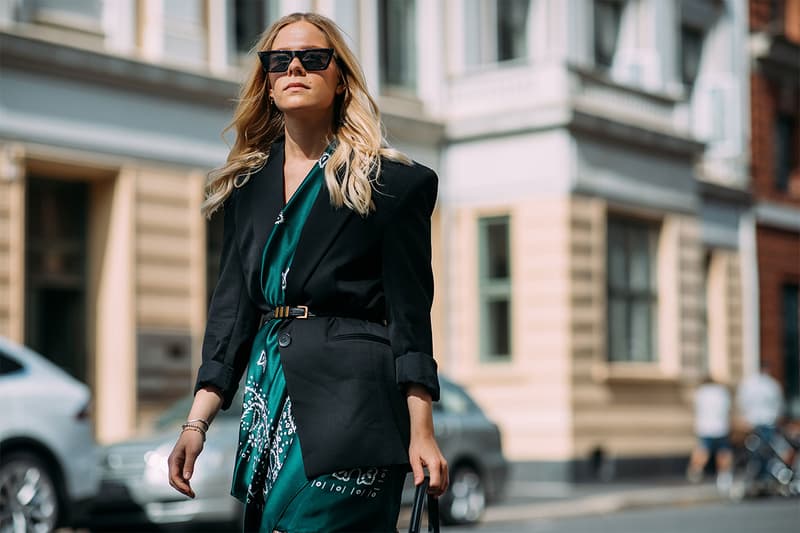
x=23 y=52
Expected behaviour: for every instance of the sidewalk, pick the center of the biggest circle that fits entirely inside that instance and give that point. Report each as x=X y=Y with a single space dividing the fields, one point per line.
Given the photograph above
x=530 y=500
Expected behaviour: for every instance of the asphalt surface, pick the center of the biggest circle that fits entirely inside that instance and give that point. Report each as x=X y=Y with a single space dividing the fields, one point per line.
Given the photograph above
x=663 y=506
x=758 y=516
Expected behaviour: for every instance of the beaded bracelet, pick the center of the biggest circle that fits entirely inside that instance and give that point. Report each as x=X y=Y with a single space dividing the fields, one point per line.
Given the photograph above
x=201 y=420
x=184 y=427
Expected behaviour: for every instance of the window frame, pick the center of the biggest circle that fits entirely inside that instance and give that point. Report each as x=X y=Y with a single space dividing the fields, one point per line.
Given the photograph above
x=408 y=84
x=785 y=160
x=599 y=62
x=493 y=290
x=236 y=55
x=632 y=296
x=486 y=23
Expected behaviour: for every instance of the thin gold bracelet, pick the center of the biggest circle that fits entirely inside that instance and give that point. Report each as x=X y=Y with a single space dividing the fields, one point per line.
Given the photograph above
x=201 y=420
x=194 y=428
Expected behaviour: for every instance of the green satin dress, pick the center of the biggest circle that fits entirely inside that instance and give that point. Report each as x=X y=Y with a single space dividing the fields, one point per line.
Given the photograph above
x=268 y=476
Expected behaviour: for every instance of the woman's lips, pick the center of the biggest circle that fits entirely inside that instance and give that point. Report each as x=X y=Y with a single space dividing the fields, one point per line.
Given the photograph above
x=295 y=86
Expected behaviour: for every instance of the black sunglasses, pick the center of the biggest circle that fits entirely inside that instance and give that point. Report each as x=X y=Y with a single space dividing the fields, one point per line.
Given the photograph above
x=311 y=59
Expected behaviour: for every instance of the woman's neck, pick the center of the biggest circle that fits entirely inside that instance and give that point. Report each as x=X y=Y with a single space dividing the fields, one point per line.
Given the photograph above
x=306 y=139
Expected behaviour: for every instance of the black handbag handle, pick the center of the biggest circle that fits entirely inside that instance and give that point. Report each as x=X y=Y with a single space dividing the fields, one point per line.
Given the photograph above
x=418 y=506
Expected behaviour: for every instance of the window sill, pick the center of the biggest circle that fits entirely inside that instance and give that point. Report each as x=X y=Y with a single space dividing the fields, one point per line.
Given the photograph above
x=402 y=103
x=632 y=373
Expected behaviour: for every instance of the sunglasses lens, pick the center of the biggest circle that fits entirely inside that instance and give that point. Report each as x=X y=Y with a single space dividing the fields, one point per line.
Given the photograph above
x=316 y=59
x=278 y=62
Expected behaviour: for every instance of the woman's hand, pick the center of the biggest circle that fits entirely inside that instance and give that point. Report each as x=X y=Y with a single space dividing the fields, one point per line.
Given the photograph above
x=423 y=450
x=207 y=402
x=181 y=461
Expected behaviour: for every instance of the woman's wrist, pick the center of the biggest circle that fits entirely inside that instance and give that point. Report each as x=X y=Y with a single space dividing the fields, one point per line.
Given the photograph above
x=193 y=428
x=420 y=411
x=418 y=391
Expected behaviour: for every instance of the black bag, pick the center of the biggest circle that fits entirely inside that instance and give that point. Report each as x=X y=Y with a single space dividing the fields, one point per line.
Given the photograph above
x=419 y=503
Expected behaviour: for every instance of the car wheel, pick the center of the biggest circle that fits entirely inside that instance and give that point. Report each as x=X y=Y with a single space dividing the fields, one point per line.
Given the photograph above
x=465 y=499
x=28 y=497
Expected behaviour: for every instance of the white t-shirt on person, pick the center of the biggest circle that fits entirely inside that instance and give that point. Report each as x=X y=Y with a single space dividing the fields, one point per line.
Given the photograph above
x=760 y=400
x=712 y=404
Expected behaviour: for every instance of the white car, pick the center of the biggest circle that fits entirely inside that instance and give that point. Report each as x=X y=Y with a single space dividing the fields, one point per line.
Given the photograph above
x=48 y=455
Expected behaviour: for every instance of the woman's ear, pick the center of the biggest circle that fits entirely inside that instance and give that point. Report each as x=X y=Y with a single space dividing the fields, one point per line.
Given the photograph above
x=341 y=87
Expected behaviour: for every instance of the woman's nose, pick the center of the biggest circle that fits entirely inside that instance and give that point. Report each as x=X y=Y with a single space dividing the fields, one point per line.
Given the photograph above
x=296 y=67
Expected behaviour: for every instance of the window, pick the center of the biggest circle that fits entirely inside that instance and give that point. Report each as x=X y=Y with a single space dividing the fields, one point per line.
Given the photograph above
x=186 y=31
x=454 y=400
x=691 y=53
x=8 y=365
x=398 y=50
x=497 y=31
x=512 y=22
x=81 y=15
x=704 y=365
x=786 y=149
x=607 y=19
x=631 y=276
x=495 y=289
x=249 y=19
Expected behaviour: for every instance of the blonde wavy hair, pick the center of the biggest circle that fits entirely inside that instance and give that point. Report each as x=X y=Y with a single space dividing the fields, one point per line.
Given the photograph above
x=356 y=128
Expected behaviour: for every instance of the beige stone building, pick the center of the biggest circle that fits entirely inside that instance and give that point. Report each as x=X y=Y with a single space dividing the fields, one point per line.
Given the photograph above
x=593 y=240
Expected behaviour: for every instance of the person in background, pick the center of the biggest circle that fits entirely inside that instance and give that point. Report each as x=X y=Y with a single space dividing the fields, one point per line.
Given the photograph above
x=712 y=403
x=760 y=401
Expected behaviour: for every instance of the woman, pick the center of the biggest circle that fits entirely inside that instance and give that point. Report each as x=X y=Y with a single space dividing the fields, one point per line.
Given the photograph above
x=323 y=297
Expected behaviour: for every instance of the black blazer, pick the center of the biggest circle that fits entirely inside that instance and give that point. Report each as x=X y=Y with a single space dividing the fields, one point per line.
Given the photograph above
x=345 y=371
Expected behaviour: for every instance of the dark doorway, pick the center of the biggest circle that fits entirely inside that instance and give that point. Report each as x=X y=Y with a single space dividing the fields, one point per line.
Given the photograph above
x=56 y=226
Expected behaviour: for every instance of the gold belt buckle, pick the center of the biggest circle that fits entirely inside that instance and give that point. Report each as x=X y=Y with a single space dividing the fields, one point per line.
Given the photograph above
x=305 y=311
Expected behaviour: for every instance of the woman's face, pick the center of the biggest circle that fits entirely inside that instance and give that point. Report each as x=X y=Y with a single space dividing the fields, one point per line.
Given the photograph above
x=299 y=90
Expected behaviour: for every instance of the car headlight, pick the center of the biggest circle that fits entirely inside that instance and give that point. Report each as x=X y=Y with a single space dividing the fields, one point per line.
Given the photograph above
x=156 y=470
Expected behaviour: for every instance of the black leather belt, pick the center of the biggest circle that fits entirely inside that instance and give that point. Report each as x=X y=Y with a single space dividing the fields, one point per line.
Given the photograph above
x=286 y=311
x=283 y=312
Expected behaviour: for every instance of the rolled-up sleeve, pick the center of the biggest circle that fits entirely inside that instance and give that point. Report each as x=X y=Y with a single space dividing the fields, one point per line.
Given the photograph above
x=408 y=285
x=232 y=320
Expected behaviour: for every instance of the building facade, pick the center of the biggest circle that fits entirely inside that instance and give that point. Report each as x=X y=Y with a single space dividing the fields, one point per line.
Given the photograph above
x=596 y=188
x=775 y=119
x=594 y=239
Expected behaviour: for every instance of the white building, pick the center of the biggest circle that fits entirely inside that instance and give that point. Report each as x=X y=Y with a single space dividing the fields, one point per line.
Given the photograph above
x=593 y=242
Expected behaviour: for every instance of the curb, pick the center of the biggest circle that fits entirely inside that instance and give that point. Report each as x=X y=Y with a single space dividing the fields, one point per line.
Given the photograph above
x=604 y=503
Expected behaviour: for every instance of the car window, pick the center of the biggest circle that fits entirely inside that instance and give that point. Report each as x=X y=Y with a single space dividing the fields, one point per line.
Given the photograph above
x=454 y=400
x=8 y=365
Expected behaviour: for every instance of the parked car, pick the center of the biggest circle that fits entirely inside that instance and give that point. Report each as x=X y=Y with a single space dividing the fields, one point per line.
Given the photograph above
x=48 y=456
x=472 y=446
x=135 y=489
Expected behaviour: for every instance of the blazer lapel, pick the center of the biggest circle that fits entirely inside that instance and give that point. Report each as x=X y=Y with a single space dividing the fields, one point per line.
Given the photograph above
x=266 y=197
x=323 y=225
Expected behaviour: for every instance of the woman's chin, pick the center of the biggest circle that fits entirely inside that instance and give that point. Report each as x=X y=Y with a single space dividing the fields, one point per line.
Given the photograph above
x=305 y=109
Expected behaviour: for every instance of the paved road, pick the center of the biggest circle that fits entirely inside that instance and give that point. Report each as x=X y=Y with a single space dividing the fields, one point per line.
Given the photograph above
x=764 y=516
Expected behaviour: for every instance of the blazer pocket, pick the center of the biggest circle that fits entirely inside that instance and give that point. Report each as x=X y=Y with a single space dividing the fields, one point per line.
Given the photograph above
x=361 y=337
